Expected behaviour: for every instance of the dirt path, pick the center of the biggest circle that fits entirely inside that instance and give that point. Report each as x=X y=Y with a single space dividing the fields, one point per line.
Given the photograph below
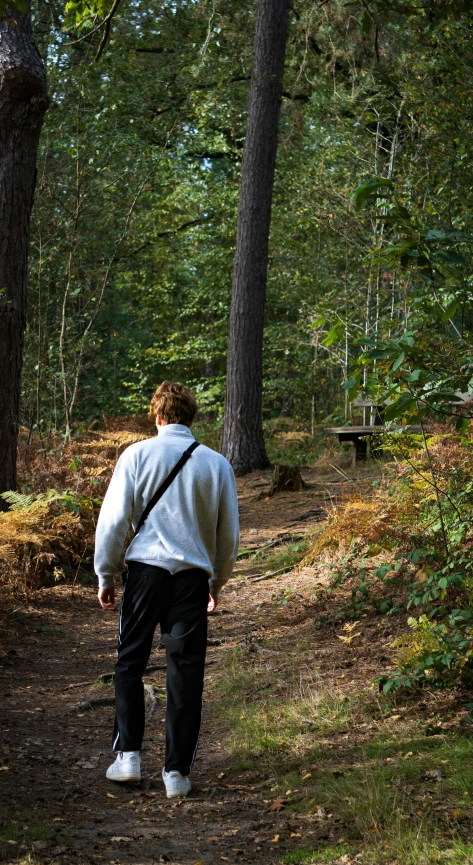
x=56 y=803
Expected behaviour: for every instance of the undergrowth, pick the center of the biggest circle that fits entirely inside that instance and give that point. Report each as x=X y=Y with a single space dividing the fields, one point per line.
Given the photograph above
x=47 y=535
x=404 y=546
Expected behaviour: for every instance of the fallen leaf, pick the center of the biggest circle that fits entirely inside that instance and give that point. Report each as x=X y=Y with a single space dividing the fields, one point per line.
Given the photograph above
x=307 y=776
x=4 y=768
x=275 y=839
x=111 y=796
x=278 y=804
x=296 y=835
x=118 y=838
x=433 y=775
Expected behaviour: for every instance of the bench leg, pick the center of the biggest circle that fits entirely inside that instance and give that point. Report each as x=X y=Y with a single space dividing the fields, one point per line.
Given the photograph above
x=361 y=449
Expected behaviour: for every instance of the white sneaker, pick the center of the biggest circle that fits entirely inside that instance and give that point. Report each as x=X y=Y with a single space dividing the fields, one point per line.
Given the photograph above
x=126 y=767
x=177 y=785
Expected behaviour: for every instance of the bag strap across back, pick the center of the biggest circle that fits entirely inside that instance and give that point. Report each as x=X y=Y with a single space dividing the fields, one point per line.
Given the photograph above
x=165 y=484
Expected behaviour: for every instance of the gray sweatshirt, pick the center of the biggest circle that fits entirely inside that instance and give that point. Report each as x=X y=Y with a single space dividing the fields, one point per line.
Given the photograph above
x=194 y=524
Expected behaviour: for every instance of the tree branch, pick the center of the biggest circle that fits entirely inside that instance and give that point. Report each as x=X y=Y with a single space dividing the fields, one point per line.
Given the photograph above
x=106 y=32
x=168 y=233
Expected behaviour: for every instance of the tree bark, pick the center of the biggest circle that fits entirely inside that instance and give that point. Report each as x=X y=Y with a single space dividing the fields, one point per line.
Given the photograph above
x=243 y=443
x=23 y=102
x=286 y=479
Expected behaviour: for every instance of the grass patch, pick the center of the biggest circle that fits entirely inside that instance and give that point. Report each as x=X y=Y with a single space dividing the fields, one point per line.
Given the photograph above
x=261 y=723
x=23 y=829
x=398 y=796
x=281 y=557
x=325 y=856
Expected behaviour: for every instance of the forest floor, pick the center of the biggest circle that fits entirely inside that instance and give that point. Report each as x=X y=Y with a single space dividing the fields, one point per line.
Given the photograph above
x=300 y=760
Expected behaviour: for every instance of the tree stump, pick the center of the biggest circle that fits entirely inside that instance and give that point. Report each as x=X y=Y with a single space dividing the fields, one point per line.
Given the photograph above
x=286 y=479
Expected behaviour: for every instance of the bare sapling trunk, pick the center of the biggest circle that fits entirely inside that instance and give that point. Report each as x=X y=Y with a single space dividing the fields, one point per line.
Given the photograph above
x=243 y=443
x=23 y=102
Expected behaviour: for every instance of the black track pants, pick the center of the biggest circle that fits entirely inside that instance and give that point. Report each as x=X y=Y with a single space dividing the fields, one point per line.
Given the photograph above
x=178 y=603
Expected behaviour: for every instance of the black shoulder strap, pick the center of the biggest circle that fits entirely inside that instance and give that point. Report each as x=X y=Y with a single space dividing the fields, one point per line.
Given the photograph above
x=165 y=484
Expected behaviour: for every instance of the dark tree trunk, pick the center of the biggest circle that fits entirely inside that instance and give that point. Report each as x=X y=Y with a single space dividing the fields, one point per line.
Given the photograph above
x=23 y=101
x=243 y=443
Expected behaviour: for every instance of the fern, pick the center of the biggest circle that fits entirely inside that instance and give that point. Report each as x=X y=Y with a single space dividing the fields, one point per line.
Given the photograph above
x=119 y=439
x=31 y=522
x=21 y=502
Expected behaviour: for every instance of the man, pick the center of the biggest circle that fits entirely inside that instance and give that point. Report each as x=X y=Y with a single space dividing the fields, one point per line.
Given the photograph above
x=176 y=564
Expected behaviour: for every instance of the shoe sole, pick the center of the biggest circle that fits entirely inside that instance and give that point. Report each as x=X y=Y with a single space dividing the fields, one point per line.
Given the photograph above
x=177 y=795
x=123 y=778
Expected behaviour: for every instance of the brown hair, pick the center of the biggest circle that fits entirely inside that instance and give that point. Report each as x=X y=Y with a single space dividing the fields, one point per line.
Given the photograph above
x=174 y=402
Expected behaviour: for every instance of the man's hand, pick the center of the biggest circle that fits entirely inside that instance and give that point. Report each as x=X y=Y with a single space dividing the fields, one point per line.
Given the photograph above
x=212 y=604
x=107 y=599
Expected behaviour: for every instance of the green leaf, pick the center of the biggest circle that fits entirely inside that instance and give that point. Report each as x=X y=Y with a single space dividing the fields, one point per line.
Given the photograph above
x=397 y=363
x=451 y=310
x=435 y=234
x=335 y=334
x=377 y=187
x=461 y=424
x=352 y=385
x=400 y=407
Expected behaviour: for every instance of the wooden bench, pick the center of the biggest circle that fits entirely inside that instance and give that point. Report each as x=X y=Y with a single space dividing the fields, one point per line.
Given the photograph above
x=358 y=435
x=372 y=425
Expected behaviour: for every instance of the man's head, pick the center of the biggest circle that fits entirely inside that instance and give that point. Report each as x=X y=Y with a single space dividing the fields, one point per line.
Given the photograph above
x=173 y=403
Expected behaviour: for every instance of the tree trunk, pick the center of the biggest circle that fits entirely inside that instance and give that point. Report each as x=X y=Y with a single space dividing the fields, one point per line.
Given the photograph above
x=23 y=102
x=243 y=443
x=286 y=479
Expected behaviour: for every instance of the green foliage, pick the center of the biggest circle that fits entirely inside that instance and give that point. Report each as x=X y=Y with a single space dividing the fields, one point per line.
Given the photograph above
x=133 y=228
x=435 y=653
x=84 y=13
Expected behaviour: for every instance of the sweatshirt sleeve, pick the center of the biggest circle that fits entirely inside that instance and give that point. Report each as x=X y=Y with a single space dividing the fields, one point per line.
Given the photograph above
x=228 y=533
x=113 y=521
